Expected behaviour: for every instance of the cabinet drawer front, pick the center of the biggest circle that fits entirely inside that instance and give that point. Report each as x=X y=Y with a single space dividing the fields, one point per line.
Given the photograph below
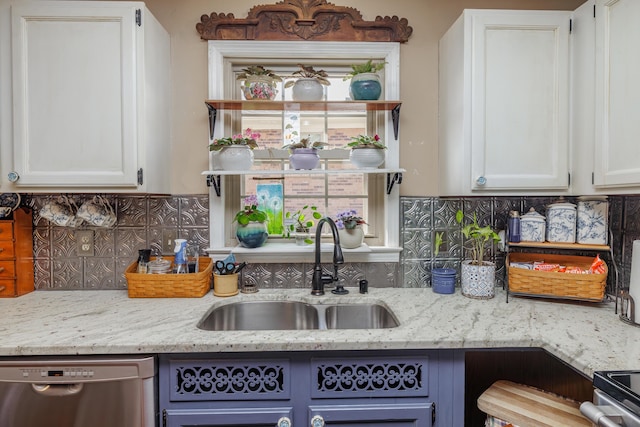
x=6 y=230
x=7 y=288
x=6 y=249
x=195 y=380
x=7 y=270
x=369 y=377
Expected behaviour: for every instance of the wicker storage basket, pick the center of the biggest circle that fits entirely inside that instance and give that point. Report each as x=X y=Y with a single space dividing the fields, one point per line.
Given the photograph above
x=192 y=285
x=588 y=287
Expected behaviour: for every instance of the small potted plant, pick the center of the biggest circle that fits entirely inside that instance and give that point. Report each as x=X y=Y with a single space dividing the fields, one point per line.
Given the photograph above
x=443 y=280
x=234 y=152
x=367 y=152
x=301 y=223
x=251 y=230
x=478 y=275
x=308 y=83
x=350 y=230
x=259 y=83
x=365 y=82
x=304 y=153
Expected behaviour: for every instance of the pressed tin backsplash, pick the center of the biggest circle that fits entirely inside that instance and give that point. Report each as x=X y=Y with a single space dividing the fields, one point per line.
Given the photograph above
x=143 y=220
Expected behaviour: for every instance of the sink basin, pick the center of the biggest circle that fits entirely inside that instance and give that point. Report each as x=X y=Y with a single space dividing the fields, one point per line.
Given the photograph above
x=296 y=315
x=359 y=316
x=261 y=315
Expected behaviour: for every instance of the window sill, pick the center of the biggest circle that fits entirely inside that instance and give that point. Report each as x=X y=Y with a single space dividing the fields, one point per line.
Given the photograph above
x=292 y=253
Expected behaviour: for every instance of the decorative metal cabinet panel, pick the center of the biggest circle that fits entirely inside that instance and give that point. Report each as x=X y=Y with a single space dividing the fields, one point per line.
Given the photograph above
x=349 y=388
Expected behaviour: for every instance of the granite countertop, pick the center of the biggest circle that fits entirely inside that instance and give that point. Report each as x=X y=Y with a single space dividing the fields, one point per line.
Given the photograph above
x=586 y=336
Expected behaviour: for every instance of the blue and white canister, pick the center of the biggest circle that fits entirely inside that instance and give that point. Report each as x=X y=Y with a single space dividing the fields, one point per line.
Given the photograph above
x=561 y=222
x=592 y=222
x=532 y=227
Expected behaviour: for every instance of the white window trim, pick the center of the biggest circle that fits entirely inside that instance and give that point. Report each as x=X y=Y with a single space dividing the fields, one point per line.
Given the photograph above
x=221 y=52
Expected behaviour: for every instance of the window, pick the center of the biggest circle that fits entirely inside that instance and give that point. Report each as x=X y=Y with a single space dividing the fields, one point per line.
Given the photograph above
x=331 y=192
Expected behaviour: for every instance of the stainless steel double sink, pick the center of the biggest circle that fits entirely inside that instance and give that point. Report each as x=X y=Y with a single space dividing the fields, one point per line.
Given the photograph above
x=296 y=315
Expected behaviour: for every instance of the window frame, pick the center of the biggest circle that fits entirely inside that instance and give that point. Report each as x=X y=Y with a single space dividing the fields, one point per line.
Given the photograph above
x=222 y=54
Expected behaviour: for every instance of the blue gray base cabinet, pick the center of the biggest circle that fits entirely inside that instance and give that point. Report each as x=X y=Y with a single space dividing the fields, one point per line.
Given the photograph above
x=318 y=389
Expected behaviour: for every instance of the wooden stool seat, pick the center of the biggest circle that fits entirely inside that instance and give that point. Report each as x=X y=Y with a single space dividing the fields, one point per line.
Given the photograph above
x=527 y=406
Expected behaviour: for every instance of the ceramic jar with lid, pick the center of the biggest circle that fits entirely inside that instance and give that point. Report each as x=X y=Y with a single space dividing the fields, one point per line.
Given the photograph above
x=561 y=222
x=592 y=222
x=532 y=227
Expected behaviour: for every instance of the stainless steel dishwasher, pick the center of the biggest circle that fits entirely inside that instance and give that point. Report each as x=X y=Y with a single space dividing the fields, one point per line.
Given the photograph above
x=77 y=392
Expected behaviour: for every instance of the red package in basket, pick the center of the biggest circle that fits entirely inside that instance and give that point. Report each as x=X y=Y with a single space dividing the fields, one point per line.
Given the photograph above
x=597 y=266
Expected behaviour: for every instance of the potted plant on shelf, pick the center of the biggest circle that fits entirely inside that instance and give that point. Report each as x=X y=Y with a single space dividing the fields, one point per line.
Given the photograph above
x=301 y=223
x=259 y=83
x=443 y=280
x=308 y=83
x=365 y=81
x=367 y=152
x=350 y=230
x=478 y=275
x=234 y=152
x=251 y=230
x=304 y=153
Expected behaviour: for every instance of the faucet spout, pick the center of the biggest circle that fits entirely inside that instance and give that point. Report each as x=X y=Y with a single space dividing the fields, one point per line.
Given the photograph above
x=319 y=278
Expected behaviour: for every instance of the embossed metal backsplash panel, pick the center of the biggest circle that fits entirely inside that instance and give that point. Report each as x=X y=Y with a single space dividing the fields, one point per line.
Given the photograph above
x=142 y=221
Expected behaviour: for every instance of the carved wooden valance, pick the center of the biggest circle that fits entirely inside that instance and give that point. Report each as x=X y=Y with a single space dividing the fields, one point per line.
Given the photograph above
x=303 y=20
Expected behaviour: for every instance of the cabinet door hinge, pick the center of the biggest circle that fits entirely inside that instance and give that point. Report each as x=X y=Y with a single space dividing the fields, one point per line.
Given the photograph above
x=594 y=10
x=570 y=25
x=433 y=414
x=164 y=418
x=139 y=17
x=593 y=178
x=569 y=179
x=140 y=176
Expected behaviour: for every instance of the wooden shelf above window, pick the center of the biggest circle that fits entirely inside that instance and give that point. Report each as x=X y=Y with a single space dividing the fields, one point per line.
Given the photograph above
x=304 y=105
x=337 y=106
x=393 y=175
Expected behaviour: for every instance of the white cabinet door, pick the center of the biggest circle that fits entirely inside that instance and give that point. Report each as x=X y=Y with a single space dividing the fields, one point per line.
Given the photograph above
x=504 y=103
x=617 y=124
x=80 y=83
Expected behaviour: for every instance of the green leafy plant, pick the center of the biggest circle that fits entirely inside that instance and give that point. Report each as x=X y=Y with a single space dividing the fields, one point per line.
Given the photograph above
x=308 y=72
x=367 y=67
x=438 y=242
x=365 y=141
x=250 y=212
x=247 y=138
x=305 y=143
x=258 y=70
x=479 y=237
x=301 y=221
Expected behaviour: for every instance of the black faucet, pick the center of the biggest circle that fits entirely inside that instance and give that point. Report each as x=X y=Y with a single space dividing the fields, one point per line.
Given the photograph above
x=319 y=278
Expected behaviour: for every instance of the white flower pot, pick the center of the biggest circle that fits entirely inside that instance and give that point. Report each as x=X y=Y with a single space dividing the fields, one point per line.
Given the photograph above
x=478 y=281
x=367 y=158
x=351 y=238
x=307 y=89
x=235 y=158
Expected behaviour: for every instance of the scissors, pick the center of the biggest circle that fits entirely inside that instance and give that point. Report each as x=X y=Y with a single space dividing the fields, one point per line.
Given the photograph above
x=225 y=267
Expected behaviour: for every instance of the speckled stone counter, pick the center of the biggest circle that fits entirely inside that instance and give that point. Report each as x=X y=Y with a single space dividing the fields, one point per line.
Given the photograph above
x=587 y=337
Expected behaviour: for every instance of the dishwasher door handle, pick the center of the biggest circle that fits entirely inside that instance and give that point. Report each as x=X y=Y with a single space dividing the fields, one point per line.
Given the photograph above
x=57 y=389
x=596 y=415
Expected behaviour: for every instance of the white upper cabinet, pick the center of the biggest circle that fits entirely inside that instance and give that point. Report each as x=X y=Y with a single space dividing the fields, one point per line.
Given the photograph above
x=91 y=98
x=504 y=103
x=617 y=91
